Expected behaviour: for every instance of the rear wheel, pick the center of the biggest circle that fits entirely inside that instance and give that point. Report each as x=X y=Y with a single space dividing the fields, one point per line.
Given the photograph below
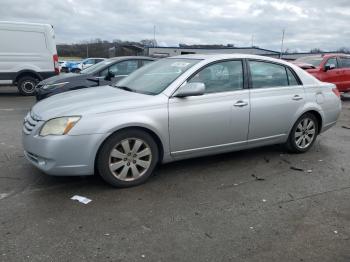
x=303 y=134
x=127 y=158
x=26 y=85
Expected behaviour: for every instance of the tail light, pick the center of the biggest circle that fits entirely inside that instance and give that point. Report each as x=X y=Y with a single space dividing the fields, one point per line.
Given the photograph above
x=55 y=64
x=336 y=92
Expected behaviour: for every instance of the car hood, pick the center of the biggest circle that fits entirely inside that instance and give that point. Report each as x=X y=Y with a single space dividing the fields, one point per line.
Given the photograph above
x=63 y=78
x=93 y=100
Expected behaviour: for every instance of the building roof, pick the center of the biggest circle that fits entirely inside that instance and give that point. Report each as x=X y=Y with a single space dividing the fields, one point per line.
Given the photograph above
x=215 y=48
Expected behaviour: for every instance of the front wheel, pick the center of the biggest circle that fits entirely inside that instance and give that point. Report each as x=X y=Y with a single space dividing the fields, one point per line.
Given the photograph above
x=303 y=134
x=76 y=70
x=127 y=158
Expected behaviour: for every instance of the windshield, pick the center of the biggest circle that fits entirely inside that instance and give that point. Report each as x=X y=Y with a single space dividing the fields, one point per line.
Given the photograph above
x=156 y=77
x=312 y=60
x=96 y=67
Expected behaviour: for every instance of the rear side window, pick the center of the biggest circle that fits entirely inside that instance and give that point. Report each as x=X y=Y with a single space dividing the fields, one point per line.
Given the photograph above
x=145 y=62
x=291 y=78
x=345 y=62
x=264 y=74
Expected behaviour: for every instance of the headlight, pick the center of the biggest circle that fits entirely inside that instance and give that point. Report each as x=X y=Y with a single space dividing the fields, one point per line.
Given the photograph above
x=59 y=126
x=49 y=86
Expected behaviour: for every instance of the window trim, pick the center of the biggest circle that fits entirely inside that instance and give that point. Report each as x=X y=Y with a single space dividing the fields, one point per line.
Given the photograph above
x=337 y=60
x=245 y=79
x=300 y=83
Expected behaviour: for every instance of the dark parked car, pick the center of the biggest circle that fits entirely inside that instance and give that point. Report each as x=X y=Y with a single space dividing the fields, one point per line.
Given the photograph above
x=106 y=72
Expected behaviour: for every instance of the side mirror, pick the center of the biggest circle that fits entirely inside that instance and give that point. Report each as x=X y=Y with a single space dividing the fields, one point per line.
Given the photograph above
x=96 y=79
x=190 y=89
x=329 y=67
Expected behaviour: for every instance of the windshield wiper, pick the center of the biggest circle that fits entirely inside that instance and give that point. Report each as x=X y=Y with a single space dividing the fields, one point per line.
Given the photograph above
x=125 y=88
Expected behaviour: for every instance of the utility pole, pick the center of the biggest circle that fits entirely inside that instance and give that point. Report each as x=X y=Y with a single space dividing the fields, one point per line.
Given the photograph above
x=154 y=36
x=282 y=43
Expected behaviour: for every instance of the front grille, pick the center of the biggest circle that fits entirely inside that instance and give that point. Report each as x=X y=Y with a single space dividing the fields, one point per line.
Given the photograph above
x=29 y=123
x=33 y=157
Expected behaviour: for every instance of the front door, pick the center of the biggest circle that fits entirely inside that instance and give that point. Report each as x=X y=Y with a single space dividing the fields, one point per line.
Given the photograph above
x=216 y=121
x=275 y=97
x=334 y=75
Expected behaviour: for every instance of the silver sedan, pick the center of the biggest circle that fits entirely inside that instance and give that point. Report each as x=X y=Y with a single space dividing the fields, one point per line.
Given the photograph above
x=177 y=108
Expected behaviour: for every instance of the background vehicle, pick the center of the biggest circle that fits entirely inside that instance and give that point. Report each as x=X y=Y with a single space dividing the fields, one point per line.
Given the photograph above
x=177 y=108
x=76 y=68
x=61 y=64
x=104 y=73
x=331 y=68
x=68 y=65
x=27 y=54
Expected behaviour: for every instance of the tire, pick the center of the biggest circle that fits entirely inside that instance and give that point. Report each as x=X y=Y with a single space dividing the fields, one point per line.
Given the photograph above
x=117 y=162
x=76 y=70
x=26 y=85
x=303 y=134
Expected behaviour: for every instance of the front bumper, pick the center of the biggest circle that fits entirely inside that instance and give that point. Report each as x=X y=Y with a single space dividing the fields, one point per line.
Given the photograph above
x=63 y=155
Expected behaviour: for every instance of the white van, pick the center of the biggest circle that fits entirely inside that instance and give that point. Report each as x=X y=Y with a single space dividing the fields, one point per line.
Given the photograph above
x=27 y=55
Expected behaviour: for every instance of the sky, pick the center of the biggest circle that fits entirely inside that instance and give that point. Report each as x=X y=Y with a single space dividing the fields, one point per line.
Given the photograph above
x=308 y=24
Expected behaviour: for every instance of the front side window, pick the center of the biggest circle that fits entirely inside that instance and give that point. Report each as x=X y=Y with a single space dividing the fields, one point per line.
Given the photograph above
x=332 y=61
x=345 y=62
x=220 y=77
x=264 y=74
x=156 y=77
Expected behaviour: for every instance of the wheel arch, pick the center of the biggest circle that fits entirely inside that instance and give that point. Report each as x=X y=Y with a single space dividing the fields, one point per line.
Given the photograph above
x=151 y=132
x=22 y=73
x=318 y=117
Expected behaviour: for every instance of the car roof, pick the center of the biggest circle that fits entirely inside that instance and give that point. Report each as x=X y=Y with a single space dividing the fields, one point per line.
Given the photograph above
x=214 y=57
x=130 y=57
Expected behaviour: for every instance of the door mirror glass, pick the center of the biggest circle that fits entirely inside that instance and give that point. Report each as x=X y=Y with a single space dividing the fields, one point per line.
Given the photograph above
x=190 y=89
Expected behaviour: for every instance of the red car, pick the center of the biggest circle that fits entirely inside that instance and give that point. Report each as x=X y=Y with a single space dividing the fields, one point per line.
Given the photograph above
x=332 y=68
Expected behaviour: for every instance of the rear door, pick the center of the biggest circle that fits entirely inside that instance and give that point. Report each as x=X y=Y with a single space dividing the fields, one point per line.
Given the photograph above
x=344 y=63
x=276 y=94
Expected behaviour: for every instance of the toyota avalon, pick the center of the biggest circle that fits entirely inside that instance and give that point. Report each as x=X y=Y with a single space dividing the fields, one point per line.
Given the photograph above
x=176 y=108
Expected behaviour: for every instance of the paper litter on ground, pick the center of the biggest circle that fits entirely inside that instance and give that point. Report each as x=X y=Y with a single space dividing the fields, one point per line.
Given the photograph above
x=81 y=199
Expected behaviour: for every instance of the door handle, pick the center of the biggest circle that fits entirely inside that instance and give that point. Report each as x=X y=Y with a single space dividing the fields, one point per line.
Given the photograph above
x=297 y=98
x=240 y=103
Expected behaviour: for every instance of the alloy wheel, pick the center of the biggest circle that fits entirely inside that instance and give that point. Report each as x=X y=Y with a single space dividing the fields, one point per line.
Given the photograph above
x=305 y=133
x=130 y=159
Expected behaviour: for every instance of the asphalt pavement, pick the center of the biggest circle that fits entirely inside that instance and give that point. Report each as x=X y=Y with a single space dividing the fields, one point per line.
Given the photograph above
x=255 y=205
